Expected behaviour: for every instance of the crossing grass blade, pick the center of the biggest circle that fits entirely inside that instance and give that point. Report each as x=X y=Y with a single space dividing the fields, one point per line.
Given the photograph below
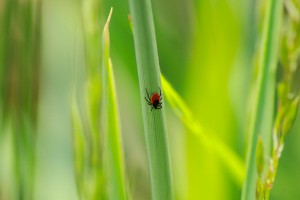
x=229 y=158
x=113 y=158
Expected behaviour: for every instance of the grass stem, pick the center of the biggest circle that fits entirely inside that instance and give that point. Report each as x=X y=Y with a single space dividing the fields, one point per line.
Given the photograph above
x=265 y=85
x=149 y=78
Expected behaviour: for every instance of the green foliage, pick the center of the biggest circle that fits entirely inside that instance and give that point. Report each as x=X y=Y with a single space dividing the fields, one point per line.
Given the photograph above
x=114 y=166
x=204 y=48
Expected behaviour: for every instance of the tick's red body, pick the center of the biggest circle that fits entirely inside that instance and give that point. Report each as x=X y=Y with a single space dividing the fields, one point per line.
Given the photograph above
x=155 y=100
x=155 y=97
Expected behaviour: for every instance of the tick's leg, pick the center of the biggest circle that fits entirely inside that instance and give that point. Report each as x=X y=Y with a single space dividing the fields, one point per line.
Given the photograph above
x=147 y=100
x=147 y=94
x=151 y=108
x=160 y=95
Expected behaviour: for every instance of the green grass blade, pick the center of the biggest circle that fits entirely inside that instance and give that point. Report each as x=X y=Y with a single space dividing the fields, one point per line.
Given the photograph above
x=112 y=138
x=78 y=146
x=265 y=86
x=233 y=163
x=149 y=78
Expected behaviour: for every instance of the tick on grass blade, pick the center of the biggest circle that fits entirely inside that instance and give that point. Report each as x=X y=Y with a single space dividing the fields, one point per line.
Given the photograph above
x=155 y=100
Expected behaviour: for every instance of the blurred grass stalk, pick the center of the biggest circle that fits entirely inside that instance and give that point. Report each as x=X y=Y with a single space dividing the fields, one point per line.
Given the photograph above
x=114 y=164
x=88 y=161
x=261 y=120
x=149 y=78
x=20 y=64
x=92 y=21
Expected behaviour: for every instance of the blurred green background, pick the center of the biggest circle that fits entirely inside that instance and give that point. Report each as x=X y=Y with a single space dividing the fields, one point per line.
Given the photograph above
x=207 y=52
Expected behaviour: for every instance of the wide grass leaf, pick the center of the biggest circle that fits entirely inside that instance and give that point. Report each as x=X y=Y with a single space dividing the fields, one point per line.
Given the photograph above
x=149 y=79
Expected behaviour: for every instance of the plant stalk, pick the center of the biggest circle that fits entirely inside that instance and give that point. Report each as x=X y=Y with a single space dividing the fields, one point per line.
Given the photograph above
x=265 y=85
x=149 y=79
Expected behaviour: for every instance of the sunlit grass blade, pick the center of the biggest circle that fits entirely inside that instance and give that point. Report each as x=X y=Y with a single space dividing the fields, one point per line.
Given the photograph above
x=230 y=159
x=265 y=90
x=113 y=158
x=149 y=78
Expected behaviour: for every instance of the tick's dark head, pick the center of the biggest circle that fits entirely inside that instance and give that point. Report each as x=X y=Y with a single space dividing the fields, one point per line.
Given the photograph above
x=156 y=104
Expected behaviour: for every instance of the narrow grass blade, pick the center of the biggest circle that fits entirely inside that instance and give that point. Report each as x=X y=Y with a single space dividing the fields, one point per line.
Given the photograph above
x=264 y=86
x=78 y=146
x=233 y=163
x=112 y=138
x=149 y=79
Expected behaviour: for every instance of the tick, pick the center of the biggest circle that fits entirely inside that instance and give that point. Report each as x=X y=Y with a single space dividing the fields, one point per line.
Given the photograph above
x=155 y=100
